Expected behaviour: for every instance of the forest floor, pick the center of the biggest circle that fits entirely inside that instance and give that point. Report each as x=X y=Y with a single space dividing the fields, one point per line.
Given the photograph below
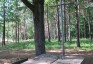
x=8 y=56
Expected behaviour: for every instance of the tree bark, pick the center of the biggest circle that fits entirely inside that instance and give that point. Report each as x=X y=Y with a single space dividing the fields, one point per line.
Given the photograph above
x=16 y=31
x=64 y=21
x=88 y=13
x=4 y=12
x=84 y=18
x=58 y=24
x=38 y=15
x=89 y=26
x=77 y=24
x=69 y=26
x=49 y=38
x=85 y=24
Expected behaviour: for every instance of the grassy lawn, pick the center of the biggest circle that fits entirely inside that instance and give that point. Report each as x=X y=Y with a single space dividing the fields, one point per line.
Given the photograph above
x=86 y=44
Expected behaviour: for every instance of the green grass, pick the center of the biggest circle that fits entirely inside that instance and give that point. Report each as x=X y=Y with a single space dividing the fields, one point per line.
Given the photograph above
x=86 y=44
x=21 y=45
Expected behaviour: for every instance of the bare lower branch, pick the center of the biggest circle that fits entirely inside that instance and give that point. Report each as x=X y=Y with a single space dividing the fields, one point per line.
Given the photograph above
x=28 y=4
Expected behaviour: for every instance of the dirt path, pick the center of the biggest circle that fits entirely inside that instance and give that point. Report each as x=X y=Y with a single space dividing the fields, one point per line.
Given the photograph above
x=8 y=56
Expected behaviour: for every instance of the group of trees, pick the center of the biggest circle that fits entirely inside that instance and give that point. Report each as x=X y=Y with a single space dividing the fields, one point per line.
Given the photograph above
x=76 y=16
x=14 y=25
x=41 y=19
x=77 y=19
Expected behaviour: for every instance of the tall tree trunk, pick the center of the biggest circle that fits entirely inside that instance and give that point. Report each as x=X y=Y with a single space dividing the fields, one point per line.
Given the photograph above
x=24 y=25
x=16 y=32
x=26 y=36
x=38 y=14
x=85 y=23
x=8 y=31
x=64 y=21
x=58 y=24
x=39 y=26
x=49 y=38
x=69 y=26
x=89 y=23
x=4 y=12
x=85 y=28
x=77 y=24
x=89 y=27
x=17 y=22
x=25 y=29
x=13 y=37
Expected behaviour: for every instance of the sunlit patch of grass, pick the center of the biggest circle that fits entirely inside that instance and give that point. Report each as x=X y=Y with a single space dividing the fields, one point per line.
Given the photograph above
x=54 y=44
x=86 y=44
x=21 y=45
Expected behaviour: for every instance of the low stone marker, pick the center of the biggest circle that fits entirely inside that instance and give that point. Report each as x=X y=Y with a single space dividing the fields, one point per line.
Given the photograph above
x=42 y=59
x=69 y=60
x=54 y=59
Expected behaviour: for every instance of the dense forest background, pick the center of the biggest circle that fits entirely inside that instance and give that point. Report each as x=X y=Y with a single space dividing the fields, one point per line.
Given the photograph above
x=17 y=25
x=29 y=28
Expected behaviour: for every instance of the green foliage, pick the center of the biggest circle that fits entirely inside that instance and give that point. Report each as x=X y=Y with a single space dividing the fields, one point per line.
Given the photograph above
x=17 y=12
x=10 y=8
x=86 y=44
x=47 y=1
x=21 y=45
x=51 y=2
